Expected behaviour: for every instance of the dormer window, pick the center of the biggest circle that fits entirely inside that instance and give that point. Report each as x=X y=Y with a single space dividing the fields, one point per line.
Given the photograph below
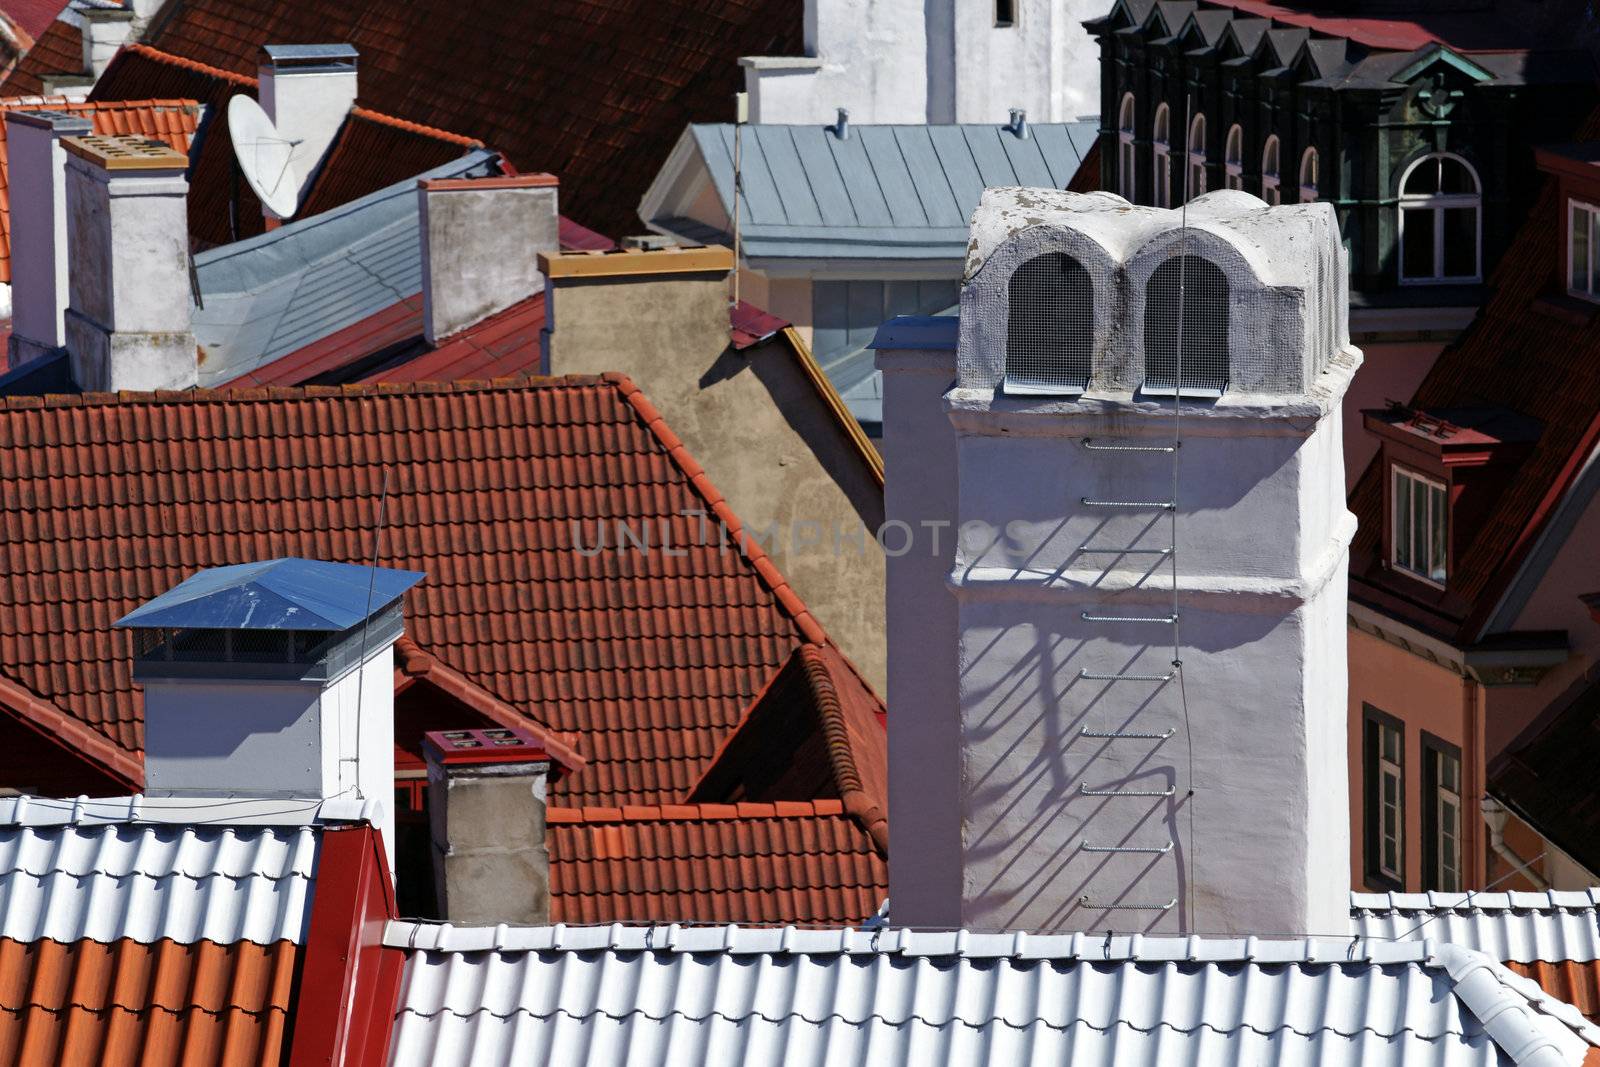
x=1050 y=327
x=1161 y=157
x=1269 y=172
x=1202 y=320
x=1233 y=158
x=1583 y=250
x=1127 y=168
x=1420 y=509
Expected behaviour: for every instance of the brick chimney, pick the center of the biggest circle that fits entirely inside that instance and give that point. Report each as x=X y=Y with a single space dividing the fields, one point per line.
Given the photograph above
x=481 y=240
x=273 y=679
x=486 y=812
x=38 y=176
x=307 y=90
x=127 y=321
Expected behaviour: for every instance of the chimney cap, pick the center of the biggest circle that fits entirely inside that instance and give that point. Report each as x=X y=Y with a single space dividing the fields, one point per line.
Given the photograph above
x=121 y=152
x=65 y=123
x=454 y=748
x=278 y=594
x=309 y=55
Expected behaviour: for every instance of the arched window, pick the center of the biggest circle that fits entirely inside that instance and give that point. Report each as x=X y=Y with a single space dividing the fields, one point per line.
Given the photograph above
x=1233 y=158
x=1204 y=324
x=1441 y=208
x=1269 y=171
x=1197 y=157
x=1050 y=333
x=1309 y=168
x=1127 y=167
x=1161 y=158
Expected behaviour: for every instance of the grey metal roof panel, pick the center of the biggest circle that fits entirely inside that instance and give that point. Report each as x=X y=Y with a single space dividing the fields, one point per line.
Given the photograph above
x=269 y=295
x=1549 y=927
x=278 y=594
x=883 y=192
x=912 y=332
x=728 y=995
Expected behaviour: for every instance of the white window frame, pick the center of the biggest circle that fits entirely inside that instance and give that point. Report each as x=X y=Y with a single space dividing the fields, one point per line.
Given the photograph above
x=1127 y=155
x=1389 y=770
x=1429 y=485
x=1310 y=166
x=1445 y=798
x=1195 y=181
x=1438 y=203
x=1233 y=158
x=1591 y=221
x=1161 y=157
x=1271 y=152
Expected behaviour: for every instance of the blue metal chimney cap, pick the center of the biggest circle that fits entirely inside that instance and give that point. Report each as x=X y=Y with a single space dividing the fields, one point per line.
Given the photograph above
x=277 y=594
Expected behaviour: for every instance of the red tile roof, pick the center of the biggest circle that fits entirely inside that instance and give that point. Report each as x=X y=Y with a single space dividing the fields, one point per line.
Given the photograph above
x=159 y=1005
x=1577 y=984
x=505 y=345
x=801 y=863
x=33 y=16
x=1546 y=775
x=1524 y=353
x=1397 y=28
x=58 y=50
x=171 y=121
x=650 y=658
x=372 y=152
x=595 y=93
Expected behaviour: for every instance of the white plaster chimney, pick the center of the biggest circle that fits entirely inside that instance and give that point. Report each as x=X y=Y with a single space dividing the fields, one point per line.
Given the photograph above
x=38 y=175
x=272 y=679
x=481 y=239
x=307 y=90
x=104 y=30
x=1098 y=787
x=127 y=320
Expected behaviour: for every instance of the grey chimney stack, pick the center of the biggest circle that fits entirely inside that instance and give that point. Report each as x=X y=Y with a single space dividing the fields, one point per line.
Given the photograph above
x=38 y=169
x=307 y=90
x=481 y=239
x=127 y=323
x=486 y=811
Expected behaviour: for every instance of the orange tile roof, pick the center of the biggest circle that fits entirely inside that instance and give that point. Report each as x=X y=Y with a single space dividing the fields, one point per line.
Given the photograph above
x=173 y=122
x=801 y=863
x=1576 y=983
x=651 y=659
x=155 y=1005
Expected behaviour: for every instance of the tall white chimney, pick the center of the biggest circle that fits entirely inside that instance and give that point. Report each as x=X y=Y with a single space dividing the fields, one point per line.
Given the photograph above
x=38 y=176
x=127 y=321
x=1099 y=785
x=307 y=90
x=273 y=679
x=481 y=239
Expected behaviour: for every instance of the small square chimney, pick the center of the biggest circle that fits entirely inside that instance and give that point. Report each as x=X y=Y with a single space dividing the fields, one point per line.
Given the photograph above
x=307 y=90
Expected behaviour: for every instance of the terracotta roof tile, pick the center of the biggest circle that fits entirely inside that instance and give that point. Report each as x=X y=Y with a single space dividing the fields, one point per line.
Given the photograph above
x=156 y=1005
x=171 y=121
x=801 y=863
x=651 y=659
x=1577 y=984
x=595 y=93
x=58 y=50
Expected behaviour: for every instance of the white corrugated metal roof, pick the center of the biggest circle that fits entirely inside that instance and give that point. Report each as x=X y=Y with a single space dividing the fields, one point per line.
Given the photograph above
x=713 y=996
x=148 y=869
x=1550 y=927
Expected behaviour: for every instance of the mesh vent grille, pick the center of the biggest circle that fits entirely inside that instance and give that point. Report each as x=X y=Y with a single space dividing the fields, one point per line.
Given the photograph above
x=1205 y=328
x=1050 y=328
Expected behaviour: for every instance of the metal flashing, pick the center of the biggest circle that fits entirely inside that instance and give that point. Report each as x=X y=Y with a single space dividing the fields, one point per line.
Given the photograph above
x=279 y=594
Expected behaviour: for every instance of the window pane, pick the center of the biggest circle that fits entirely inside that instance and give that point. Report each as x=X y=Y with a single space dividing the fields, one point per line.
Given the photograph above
x=1578 y=271
x=1391 y=744
x=1416 y=243
x=1453 y=178
x=1437 y=528
x=1460 y=242
x=1402 y=521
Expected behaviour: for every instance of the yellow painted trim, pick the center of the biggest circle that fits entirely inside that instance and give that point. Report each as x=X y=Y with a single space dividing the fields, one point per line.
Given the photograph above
x=713 y=258
x=835 y=402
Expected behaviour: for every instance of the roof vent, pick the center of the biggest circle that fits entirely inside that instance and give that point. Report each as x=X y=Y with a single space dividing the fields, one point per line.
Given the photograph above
x=1019 y=123
x=841 y=125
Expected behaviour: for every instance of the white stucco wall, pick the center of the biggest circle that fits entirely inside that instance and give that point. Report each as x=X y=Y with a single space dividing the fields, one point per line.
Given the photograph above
x=307 y=108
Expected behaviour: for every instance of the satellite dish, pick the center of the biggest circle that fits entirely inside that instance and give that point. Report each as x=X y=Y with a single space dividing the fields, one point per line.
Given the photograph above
x=266 y=157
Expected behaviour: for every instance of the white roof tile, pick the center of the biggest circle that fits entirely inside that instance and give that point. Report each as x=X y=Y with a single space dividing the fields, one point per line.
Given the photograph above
x=1551 y=927
x=707 y=996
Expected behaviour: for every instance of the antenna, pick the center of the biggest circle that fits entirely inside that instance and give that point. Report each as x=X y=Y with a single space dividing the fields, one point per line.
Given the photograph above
x=265 y=157
x=366 y=625
x=741 y=115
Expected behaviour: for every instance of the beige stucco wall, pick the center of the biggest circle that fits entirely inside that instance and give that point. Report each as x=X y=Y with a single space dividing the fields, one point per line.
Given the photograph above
x=1391 y=370
x=755 y=423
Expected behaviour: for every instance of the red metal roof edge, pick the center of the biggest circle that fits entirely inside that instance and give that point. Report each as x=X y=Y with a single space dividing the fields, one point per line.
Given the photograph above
x=416 y=662
x=67 y=731
x=766 y=570
x=537 y=180
x=415 y=127
x=781 y=809
x=349 y=983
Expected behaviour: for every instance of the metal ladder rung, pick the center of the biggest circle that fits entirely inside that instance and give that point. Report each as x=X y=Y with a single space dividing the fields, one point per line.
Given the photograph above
x=1149 y=850
x=1085 y=902
x=1127 y=551
x=1167 y=619
x=1125 y=677
x=1088 y=442
x=1160 y=505
x=1125 y=735
x=1085 y=791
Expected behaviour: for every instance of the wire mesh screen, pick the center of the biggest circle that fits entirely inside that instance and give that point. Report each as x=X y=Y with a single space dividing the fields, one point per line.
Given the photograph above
x=1205 y=328
x=1050 y=326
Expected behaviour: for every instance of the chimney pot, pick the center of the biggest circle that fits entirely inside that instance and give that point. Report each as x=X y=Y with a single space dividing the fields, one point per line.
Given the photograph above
x=38 y=169
x=841 y=125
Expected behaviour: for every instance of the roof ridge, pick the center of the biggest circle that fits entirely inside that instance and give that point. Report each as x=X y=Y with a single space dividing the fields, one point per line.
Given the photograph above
x=777 y=809
x=45 y=714
x=415 y=127
x=191 y=64
x=836 y=742
x=788 y=600
x=296 y=392
x=34 y=103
